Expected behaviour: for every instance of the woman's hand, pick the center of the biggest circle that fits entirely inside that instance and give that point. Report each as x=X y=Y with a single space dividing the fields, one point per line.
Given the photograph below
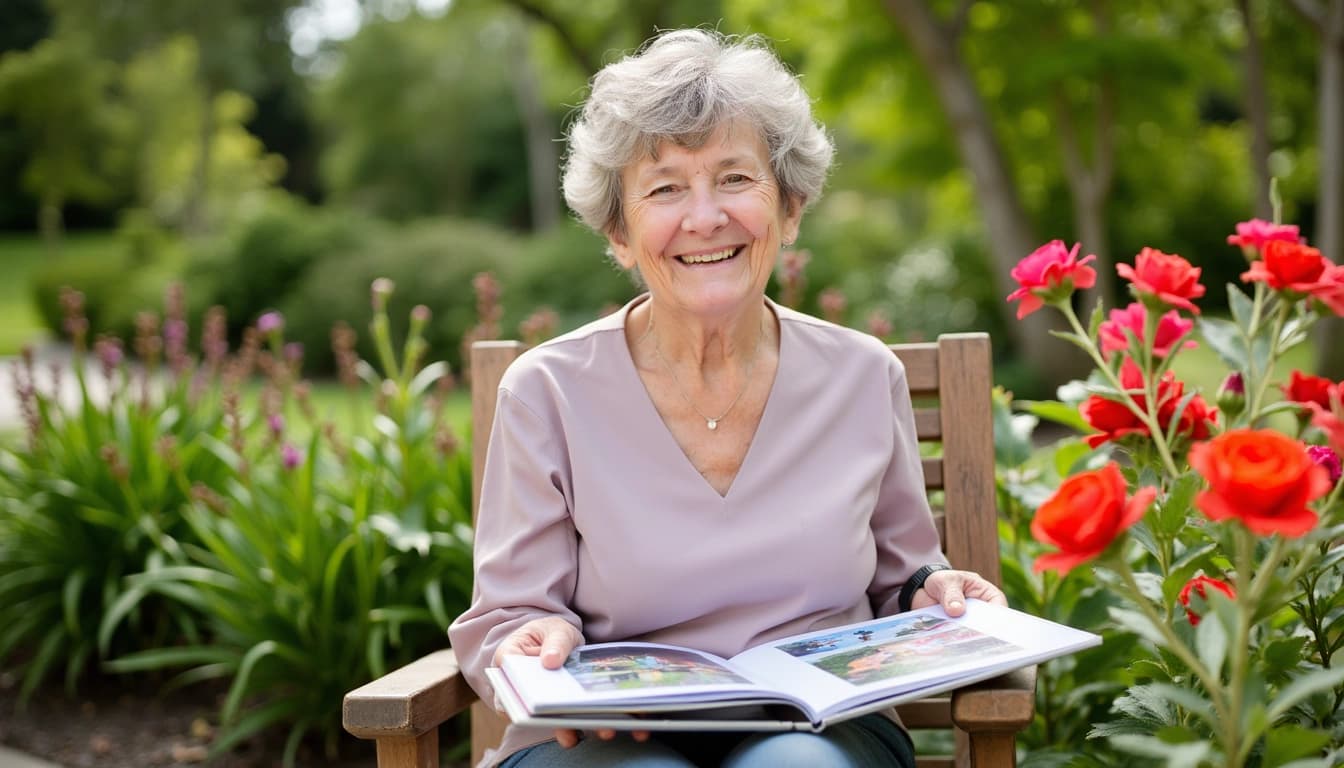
x=552 y=639
x=951 y=588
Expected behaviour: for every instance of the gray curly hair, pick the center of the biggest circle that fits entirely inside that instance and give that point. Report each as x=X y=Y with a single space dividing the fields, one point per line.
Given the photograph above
x=680 y=87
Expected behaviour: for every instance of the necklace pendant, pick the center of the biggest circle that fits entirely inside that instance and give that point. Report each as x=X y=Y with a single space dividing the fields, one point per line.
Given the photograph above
x=712 y=423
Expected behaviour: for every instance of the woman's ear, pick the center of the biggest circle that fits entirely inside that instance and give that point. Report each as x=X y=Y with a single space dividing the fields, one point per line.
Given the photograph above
x=620 y=249
x=793 y=218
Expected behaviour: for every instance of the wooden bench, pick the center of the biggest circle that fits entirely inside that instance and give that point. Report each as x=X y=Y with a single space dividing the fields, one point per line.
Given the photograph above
x=950 y=381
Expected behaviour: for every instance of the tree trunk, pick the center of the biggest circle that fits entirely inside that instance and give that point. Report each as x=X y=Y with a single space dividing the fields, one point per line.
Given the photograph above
x=1090 y=188
x=1329 y=236
x=542 y=160
x=1257 y=112
x=1008 y=231
x=194 y=217
x=51 y=222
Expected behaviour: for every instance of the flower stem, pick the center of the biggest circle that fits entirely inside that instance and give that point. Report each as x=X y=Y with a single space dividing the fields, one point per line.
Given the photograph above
x=1262 y=385
x=1149 y=420
x=1247 y=584
x=1212 y=683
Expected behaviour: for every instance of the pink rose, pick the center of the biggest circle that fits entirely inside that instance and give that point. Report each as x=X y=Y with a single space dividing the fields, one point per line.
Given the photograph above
x=1256 y=232
x=1135 y=317
x=1050 y=273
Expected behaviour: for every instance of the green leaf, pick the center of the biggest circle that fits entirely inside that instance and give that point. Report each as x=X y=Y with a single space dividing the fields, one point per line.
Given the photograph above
x=1225 y=339
x=112 y=616
x=427 y=376
x=1095 y=320
x=265 y=716
x=47 y=654
x=1315 y=681
x=1241 y=305
x=1053 y=410
x=159 y=658
x=1072 y=338
x=1289 y=742
x=1138 y=623
x=70 y=594
x=1012 y=435
x=1211 y=643
x=240 y=681
x=1189 y=755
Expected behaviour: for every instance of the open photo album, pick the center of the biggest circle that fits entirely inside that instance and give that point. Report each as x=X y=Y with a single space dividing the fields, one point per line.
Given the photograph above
x=803 y=682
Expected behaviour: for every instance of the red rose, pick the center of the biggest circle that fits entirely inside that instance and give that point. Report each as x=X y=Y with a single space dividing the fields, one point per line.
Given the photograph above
x=1261 y=477
x=1116 y=420
x=1050 y=273
x=1304 y=388
x=1329 y=290
x=1288 y=266
x=1199 y=586
x=1195 y=422
x=1256 y=232
x=1165 y=276
x=1170 y=327
x=1085 y=515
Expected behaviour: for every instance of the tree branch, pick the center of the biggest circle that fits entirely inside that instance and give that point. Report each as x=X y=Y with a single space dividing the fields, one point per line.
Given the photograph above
x=1311 y=11
x=578 y=52
x=957 y=24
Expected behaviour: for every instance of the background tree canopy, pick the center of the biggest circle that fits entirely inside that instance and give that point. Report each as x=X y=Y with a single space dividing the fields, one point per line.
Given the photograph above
x=224 y=142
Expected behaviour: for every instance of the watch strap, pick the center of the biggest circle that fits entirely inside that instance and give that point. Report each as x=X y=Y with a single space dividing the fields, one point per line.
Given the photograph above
x=916 y=581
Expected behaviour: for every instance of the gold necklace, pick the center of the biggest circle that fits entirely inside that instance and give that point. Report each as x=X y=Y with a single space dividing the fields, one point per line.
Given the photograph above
x=711 y=422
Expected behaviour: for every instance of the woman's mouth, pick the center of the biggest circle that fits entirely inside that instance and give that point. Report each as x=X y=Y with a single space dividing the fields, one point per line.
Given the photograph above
x=709 y=258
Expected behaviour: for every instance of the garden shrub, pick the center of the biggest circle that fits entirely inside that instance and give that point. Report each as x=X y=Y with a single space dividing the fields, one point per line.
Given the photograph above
x=118 y=283
x=431 y=262
x=257 y=263
x=567 y=270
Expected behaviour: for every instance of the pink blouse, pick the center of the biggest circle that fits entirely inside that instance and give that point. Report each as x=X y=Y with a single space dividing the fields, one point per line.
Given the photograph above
x=590 y=510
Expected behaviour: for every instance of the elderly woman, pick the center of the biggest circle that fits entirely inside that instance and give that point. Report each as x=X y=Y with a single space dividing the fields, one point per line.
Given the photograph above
x=704 y=467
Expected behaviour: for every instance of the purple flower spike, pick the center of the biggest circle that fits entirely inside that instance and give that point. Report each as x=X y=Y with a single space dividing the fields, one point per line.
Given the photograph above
x=276 y=422
x=290 y=456
x=271 y=322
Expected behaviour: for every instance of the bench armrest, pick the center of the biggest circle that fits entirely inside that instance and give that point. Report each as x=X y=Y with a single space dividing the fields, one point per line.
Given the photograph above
x=409 y=701
x=1003 y=703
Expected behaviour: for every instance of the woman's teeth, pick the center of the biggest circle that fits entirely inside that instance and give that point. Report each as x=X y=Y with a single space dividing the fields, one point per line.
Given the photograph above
x=706 y=258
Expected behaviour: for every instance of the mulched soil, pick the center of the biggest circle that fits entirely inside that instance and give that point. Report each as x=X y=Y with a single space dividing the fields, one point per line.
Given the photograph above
x=113 y=724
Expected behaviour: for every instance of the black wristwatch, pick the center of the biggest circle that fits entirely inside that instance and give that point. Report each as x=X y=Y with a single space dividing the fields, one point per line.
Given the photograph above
x=916 y=581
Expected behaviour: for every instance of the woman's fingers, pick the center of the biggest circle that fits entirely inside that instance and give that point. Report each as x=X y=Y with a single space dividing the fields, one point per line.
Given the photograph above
x=552 y=638
x=951 y=588
x=566 y=738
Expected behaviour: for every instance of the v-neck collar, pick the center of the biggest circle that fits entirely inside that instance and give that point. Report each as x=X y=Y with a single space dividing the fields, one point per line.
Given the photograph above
x=656 y=425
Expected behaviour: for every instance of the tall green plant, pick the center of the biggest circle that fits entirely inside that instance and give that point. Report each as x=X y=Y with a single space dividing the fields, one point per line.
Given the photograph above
x=318 y=562
x=95 y=491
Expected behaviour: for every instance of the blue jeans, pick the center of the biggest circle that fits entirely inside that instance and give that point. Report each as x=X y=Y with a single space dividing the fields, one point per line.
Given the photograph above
x=871 y=741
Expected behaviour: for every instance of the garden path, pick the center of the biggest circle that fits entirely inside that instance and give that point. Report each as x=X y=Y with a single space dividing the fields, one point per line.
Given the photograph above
x=46 y=356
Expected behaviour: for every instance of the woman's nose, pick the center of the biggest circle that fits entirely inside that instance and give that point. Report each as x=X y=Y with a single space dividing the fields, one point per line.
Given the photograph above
x=704 y=214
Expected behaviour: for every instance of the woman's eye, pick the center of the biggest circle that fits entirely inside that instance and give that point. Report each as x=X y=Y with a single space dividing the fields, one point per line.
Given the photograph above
x=666 y=189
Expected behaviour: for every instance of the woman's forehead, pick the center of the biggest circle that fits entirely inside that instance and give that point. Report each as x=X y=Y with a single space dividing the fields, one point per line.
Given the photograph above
x=728 y=144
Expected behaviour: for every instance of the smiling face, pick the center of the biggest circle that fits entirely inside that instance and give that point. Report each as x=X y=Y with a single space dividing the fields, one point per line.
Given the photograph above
x=704 y=225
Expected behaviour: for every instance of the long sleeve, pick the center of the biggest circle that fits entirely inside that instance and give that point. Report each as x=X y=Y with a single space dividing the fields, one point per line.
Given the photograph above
x=903 y=527
x=526 y=545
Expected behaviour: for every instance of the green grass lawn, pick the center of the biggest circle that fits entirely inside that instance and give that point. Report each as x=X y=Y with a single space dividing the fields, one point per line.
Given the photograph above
x=352 y=412
x=1201 y=367
x=20 y=255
